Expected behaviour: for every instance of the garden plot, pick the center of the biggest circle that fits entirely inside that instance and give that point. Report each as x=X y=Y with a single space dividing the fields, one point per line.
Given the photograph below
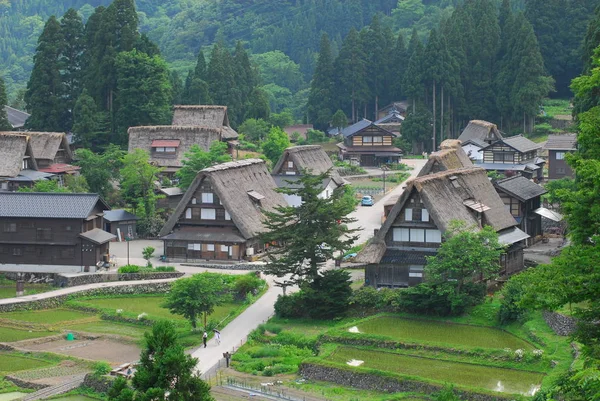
x=102 y=349
x=14 y=363
x=429 y=331
x=463 y=374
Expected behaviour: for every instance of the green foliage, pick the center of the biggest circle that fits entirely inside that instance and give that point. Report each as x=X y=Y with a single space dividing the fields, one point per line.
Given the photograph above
x=100 y=170
x=282 y=120
x=45 y=186
x=304 y=237
x=366 y=298
x=247 y=283
x=197 y=159
x=199 y=294
x=320 y=99
x=560 y=190
x=4 y=124
x=512 y=294
x=256 y=130
x=327 y=297
x=275 y=143
x=101 y=368
x=165 y=269
x=291 y=305
x=129 y=269
x=76 y=183
x=417 y=127
x=147 y=253
x=339 y=119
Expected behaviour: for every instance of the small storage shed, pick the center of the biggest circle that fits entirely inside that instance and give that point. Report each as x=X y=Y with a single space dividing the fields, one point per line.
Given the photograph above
x=120 y=223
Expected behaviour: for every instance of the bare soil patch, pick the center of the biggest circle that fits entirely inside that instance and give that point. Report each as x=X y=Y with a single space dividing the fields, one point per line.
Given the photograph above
x=103 y=349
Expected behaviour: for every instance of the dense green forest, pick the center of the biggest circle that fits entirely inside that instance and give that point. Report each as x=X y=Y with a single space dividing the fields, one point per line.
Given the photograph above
x=294 y=27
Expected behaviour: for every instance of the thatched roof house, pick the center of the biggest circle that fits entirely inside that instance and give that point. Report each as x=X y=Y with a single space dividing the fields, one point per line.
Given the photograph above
x=168 y=144
x=415 y=226
x=15 y=155
x=205 y=116
x=310 y=158
x=450 y=156
x=477 y=135
x=221 y=213
x=48 y=147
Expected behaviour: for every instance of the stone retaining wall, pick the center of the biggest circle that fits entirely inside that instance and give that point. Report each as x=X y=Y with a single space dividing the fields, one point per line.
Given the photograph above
x=562 y=325
x=58 y=300
x=388 y=384
x=31 y=277
x=25 y=384
x=100 y=384
x=235 y=266
x=73 y=281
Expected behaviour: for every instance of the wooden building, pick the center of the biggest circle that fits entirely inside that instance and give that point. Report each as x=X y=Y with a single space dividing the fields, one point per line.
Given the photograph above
x=522 y=198
x=558 y=146
x=392 y=121
x=367 y=144
x=399 y=106
x=208 y=116
x=52 y=229
x=297 y=160
x=121 y=224
x=516 y=154
x=477 y=135
x=221 y=213
x=16 y=155
x=415 y=227
x=450 y=156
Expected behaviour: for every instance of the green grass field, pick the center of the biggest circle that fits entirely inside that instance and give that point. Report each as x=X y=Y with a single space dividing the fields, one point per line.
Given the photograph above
x=9 y=290
x=15 y=363
x=462 y=374
x=8 y=334
x=429 y=331
x=108 y=327
x=47 y=316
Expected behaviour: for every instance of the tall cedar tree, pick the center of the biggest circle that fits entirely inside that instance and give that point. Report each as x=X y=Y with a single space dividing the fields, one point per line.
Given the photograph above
x=398 y=67
x=245 y=78
x=86 y=124
x=45 y=89
x=4 y=124
x=374 y=44
x=195 y=90
x=413 y=77
x=165 y=371
x=221 y=82
x=71 y=60
x=303 y=238
x=432 y=58
x=93 y=55
x=197 y=159
x=144 y=92
x=591 y=41
x=351 y=72
x=320 y=99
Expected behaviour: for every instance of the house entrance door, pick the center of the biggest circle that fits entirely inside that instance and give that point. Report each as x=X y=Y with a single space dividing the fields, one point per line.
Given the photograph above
x=367 y=160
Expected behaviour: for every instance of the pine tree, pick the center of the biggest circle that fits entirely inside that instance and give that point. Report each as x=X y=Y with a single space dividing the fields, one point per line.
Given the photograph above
x=4 y=124
x=71 y=60
x=176 y=87
x=591 y=41
x=144 y=92
x=258 y=105
x=45 y=89
x=320 y=99
x=413 y=77
x=221 y=83
x=398 y=67
x=92 y=55
x=195 y=90
x=245 y=82
x=432 y=59
x=351 y=72
x=374 y=45
x=85 y=120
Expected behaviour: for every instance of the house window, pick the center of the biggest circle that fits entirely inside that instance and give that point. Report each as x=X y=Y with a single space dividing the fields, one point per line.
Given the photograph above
x=10 y=227
x=408 y=214
x=415 y=271
x=43 y=234
x=25 y=164
x=367 y=139
x=227 y=215
x=424 y=215
x=194 y=247
x=68 y=228
x=502 y=157
x=433 y=236
x=188 y=213
x=417 y=235
x=17 y=251
x=401 y=235
x=194 y=201
x=164 y=149
x=377 y=140
x=224 y=248
x=560 y=155
x=290 y=164
x=208 y=214
x=210 y=247
x=207 y=197
x=26 y=224
x=4 y=185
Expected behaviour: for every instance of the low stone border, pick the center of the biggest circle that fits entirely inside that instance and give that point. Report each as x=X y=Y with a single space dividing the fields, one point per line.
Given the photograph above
x=100 y=384
x=236 y=266
x=562 y=325
x=58 y=300
x=65 y=281
x=375 y=382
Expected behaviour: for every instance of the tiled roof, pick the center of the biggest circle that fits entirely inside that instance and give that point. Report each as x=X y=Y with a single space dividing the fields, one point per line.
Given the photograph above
x=16 y=118
x=561 y=142
x=521 y=143
x=48 y=205
x=405 y=257
x=520 y=187
x=354 y=128
x=119 y=215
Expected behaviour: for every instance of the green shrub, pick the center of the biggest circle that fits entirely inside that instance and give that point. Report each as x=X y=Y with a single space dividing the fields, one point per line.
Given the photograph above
x=290 y=305
x=101 y=368
x=165 y=269
x=129 y=269
x=328 y=296
x=247 y=283
x=366 y=298
x=511 y=295
x=296 y=339
x=265 y=351
x=271 y=328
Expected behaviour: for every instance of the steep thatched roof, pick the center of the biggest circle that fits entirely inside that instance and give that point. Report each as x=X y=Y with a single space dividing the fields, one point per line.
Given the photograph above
x=444 y=194
x=45 y=145
x=204 y=116
x=13 y=148
x=311 y=158
x=142 y=138
x=233 y=183
x=478 y=132
x=451 y=156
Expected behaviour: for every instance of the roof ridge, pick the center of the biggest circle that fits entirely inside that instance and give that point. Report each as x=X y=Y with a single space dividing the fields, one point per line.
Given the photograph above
x=231 y=165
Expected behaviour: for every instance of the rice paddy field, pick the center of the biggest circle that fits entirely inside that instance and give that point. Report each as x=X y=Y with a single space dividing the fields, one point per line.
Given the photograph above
x=15 y=363
x=462 y=374
x=435 y=332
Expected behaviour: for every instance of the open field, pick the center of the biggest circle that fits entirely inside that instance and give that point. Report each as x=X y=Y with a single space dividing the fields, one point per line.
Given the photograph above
x=14 y=363
x=47 y=316
x=424 y=331
x=8 y=334
x=462 y=374
x=114 y=352
x=9 y=290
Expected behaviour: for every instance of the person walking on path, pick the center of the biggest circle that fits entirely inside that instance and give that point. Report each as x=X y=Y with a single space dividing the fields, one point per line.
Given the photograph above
x=204 y=338
x=217 y=336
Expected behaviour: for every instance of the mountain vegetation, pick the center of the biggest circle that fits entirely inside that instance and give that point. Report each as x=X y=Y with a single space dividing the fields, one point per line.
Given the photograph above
x=276 y=48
